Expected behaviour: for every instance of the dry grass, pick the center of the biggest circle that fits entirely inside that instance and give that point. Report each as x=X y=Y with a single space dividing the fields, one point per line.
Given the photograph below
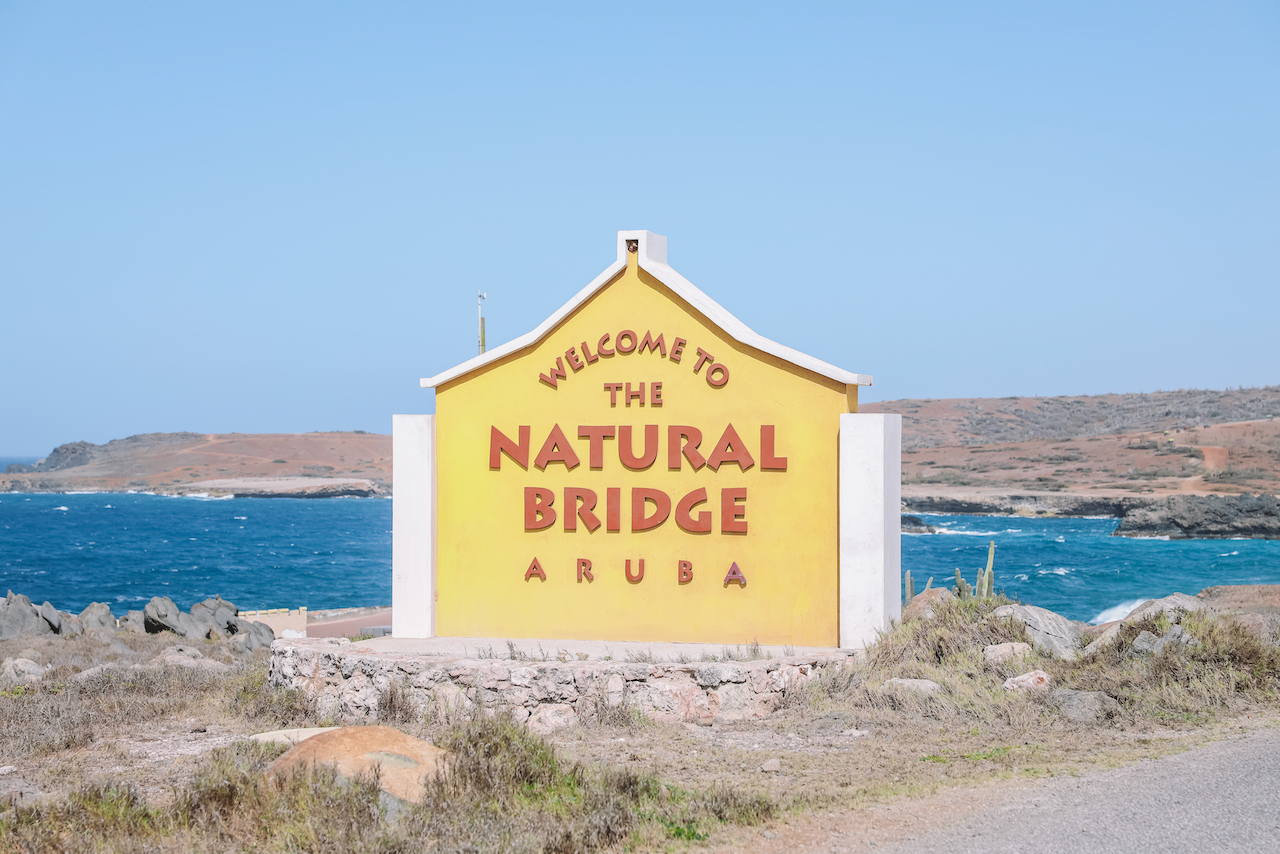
x=623 y=782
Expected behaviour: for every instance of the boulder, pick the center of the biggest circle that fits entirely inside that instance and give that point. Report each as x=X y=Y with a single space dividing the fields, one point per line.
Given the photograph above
x=97 y=617
x=250 y=636
x=216 y=613
x=922 y=605
x=1027 y=681
x=22 y=670
x=289 y=737
x=1171 y=606
x=161 y=614
x=1049 y=632
x=1086 y=707
x=133 y=621
x=1262 y=626
x=772 y=766
x=404 y=761
x=19 y=618
x=1107 y=638
x=923 y=687
x=52 y=616
x=1001 y=652
x=916 y=525
x=1144 y=643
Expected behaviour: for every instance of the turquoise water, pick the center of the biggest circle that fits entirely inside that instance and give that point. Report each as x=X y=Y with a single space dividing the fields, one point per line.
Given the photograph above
x=336 y=552
x=1075 y=566
x=123 y=549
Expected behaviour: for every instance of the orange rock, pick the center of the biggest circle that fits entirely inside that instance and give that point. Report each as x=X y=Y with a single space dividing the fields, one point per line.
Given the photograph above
x=405 y=762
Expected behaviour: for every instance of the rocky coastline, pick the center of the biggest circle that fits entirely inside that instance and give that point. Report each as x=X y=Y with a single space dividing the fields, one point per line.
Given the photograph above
x=1173 y=516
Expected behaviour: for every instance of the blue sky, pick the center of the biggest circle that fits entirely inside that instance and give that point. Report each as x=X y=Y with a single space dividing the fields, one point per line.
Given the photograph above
x=275 y=217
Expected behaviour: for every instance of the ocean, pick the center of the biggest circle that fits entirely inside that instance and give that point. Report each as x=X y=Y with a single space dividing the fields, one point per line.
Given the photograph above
x=123 y=549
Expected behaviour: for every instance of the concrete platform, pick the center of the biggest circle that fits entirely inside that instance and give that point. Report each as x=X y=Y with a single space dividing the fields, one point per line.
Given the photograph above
x=549 y=683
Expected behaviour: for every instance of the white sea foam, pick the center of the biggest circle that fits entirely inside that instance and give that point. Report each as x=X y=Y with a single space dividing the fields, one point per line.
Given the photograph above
x=1229 y=554
x=1057 y=570
x=970 y=533
x=240 y=518
x=1060 y=539
x=61 y=508
x=1022 y=576
x=1116 y=612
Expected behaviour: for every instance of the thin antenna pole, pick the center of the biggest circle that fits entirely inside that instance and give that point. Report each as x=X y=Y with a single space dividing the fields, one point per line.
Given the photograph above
x=480 y=315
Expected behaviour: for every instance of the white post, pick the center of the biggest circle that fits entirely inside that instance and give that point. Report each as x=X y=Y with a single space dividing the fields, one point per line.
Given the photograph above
x=870 y=526
x=413 y=526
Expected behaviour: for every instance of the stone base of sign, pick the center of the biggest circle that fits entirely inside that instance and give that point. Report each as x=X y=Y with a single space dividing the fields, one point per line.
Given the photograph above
x=547 y=684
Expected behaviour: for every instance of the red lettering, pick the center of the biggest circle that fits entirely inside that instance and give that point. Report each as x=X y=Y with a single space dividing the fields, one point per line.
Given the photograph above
x=557 y=450
x=588 y=355
x=601 y=349
x=685 y=569
x=655 y=394
x=626 y=333
x=703 y=358
x=677 y=349
x=574 y=362
x=572 y=512
x=613 y=509
x=584 y=569
x=538 y=512
x=768 y=460
x=719 y=382
x=730 y=449
x=732 y=517
x=677 y=432
x=557 y=373
x=635 y=579
x=535 y=568
x=596 y=436
x=613 y=389
x=634 y=395
x=652 y=344
x=735 y=576
x=684 y=513
x=625 y=449
x=500 y=444
x=640 y=498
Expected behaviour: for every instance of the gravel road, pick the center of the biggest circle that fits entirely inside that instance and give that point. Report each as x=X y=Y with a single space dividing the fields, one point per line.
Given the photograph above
x=1222 y=797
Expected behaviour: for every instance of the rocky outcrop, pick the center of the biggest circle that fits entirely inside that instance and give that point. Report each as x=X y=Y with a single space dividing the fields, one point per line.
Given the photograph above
x=348 y=679
x=1204 y=517
x=916 y=525
x=924 y=604
x=19 y=618
x=213 y=618
x=1024 y=505
x=1049 y=632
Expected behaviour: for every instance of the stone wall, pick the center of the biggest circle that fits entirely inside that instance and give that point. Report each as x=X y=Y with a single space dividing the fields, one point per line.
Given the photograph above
x=348 y=679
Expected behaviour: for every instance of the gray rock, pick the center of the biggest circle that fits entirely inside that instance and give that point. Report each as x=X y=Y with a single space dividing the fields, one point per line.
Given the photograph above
x=924 y=687
x=1107 y=638
x=1086 y=707
x=133 y=621
x=1049 y=632
x=96 y=617
x=1172 y=606
x=188 y=651
x=19 y=618
x=916 y=525
x=772 y=766
x=250 y=636
x=1144 y=643
x=1176 y=637
x=216 y=613
x=20 y=670
x=205 y=665
x=161 y=614
x=52 y=616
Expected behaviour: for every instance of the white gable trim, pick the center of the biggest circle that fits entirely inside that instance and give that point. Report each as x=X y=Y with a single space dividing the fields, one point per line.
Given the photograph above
x=653 y=260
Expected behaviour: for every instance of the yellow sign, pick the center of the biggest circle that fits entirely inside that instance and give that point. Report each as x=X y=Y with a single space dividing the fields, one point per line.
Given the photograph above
x=638 y=471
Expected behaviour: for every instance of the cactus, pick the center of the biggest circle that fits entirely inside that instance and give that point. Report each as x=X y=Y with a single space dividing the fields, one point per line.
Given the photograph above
x=963 y=590
x=911 y=587
x=989 y=577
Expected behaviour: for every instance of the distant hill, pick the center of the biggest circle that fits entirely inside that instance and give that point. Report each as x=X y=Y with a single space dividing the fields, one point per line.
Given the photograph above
x=932 y=423
x=292 y=464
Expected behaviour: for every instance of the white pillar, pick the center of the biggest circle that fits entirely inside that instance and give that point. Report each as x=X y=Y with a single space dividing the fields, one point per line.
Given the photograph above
x=870 y=525
x=413 y=526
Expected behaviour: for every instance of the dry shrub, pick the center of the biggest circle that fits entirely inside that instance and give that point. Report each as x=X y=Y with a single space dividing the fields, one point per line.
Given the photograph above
x=396 y=704
x=52 y=716
x=264 y=705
